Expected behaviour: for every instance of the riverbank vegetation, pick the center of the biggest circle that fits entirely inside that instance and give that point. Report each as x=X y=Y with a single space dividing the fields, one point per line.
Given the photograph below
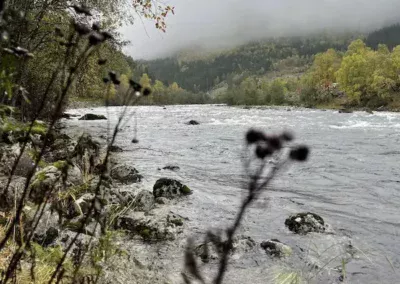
x=55 y=191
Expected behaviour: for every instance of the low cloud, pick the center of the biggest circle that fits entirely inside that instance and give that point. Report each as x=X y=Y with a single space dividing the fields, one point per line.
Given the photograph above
x=211 y=24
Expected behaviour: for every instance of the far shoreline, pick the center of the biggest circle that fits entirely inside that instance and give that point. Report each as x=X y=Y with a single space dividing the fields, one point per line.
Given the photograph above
x=88 y=104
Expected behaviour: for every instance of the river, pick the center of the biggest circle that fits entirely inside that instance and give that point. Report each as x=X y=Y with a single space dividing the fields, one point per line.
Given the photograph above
x=352 y=180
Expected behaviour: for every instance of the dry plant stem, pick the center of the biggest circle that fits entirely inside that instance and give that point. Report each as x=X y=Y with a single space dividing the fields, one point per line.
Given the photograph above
x=18 y=212
x=21 y=250
x=17 y=256
x=92 y=206
x=254 y=190
x=78 y=266
x=36 y=116
x=41 y=106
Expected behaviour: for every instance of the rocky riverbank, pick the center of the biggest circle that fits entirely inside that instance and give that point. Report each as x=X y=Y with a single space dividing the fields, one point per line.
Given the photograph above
x=68 y=180
x=140 y=233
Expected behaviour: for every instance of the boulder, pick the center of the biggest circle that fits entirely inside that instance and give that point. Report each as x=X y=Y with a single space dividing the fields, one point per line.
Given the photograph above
x=144 y=201
x=125 y=174
x=193 y=122
x=83 y=243
x=91 y=228
x=8 y=156
x=62 y=148
x=115 y=149
x=52 y=180
x=48 y=228
x=275 y=248
x=86 y=154
x=150 y=228
x=170 y=188
x=345 y=110
x=171 y=168
x=91 y=116
x=9 y=198
x=304 y=223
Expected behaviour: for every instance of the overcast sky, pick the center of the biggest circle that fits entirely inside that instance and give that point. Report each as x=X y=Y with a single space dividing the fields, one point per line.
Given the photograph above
x=224 y=23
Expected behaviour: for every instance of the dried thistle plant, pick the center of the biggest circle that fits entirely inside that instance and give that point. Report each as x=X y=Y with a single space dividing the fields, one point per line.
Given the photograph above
x=259 y=148
x=81 y=43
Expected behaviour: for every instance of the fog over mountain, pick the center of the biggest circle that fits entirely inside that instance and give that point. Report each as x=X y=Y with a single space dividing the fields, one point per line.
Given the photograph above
x=210 y=24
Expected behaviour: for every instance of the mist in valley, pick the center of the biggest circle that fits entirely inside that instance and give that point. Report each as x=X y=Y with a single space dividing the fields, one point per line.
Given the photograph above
x=209 y=25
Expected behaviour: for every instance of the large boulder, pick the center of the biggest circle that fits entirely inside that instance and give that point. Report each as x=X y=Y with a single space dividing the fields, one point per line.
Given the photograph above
x=77 y=201
x=170 y=188
x=48 y=227
x=62 y=148
x=86 y=154
x=275 y=248
x=91 y=116
x=8 y=157
x=144 y=201
x=304 y=223
x=54 y=179
x=9 y=198
x=125 y=174
x=151 y=228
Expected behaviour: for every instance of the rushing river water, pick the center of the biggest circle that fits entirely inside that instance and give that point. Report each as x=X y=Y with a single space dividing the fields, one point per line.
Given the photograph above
x=352 y=180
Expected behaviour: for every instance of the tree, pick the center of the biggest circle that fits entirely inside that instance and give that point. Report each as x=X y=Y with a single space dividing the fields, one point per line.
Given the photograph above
x=159 y=92
x=278 y=91
x=249 y=92
x=356 y=70
x=145 y=81
x=36 y=32
x=324 y=68
x=385 y=75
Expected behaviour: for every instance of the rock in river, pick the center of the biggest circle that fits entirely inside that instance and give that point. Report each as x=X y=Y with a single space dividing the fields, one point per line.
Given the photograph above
x=125 y=174
x=193 y=122
x=154 y=228
x=170 y=188
x=275 y=248
x=115 y=149
x=91 y=116
x=303 y=223
x=144 y=201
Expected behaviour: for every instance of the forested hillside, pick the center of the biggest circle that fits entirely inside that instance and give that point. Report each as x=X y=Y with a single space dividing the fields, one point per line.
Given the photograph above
x=334 y=70
x=201 y=74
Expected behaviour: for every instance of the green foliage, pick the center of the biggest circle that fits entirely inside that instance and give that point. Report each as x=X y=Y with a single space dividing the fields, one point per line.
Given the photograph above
x=61 y=165
x=366 y=75
x=46 y=260
x=105 y=249
x=20 y=129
